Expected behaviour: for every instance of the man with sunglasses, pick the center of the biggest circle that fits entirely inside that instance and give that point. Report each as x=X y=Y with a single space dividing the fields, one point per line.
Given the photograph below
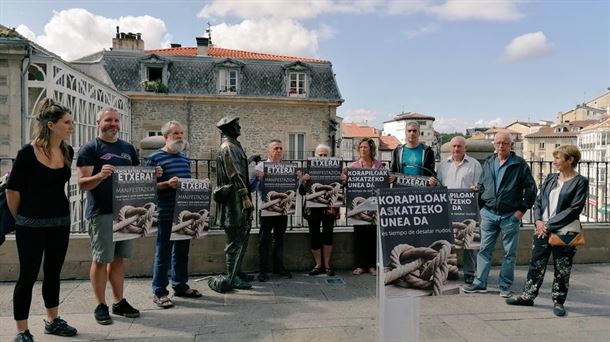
x=506 y=191
x=414 y=158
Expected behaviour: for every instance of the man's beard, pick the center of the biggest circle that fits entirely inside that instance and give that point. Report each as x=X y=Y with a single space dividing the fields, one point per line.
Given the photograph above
x=177 y=145
x=110 y=131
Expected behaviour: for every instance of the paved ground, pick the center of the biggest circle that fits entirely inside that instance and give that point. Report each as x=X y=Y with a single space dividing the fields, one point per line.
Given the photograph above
x=307 y=309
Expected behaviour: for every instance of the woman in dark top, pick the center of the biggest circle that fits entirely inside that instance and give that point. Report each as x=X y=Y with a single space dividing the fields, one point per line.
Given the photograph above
x=562 y=197
x=365 y=236
x=36 y=198
x=321 y=244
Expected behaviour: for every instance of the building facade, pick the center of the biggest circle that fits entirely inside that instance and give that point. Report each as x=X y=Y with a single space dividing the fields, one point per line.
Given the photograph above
x=594 y=143
x=276 y=97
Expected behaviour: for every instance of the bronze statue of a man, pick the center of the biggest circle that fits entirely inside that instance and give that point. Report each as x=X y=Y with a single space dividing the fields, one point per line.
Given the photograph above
x=234 y=205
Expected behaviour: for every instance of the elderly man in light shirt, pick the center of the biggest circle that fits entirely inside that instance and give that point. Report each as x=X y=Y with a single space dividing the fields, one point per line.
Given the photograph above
x=460 y=171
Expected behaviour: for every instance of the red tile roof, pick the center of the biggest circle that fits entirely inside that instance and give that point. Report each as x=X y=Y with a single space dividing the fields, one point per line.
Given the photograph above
x=355 y=130
x=549 y=132
x=229 y=53
x=388 y=142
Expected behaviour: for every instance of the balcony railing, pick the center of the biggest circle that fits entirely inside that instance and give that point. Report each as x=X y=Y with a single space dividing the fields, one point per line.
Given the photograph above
x=596 y=209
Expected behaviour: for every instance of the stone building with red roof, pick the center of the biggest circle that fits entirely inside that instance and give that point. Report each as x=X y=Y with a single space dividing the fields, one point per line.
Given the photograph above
x=276 y=97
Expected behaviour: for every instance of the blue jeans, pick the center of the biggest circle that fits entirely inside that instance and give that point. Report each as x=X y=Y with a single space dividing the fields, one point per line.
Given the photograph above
x=491 y=226
x=179 y=253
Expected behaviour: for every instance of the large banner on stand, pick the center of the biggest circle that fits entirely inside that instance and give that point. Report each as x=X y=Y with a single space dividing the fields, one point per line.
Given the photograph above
x=134 y=209
x=465 y=219
x=192 y=209
x=279 y=189
x=416 y=237
x=361 y=203
x=326 y=190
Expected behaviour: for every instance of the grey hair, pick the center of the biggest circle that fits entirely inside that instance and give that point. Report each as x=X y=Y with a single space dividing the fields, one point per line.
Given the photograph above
x=413 y=123
x=510 y=137
x=323 y=146
x=104 y=110
x=460 y=138
x=273 y=141
x=167 y=127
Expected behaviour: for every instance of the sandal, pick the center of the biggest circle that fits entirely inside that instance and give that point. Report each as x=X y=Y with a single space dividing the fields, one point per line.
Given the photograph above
x=188 y=293
x=358 y=271
x=163 y=302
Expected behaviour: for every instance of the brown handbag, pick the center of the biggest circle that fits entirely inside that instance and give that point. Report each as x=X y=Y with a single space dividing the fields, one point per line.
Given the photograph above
x=571 y=235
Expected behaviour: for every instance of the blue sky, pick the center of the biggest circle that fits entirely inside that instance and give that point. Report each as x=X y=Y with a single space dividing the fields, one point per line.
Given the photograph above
x=466 y=62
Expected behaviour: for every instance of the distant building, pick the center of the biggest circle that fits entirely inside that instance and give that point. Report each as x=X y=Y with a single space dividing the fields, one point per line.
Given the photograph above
x=594 y=143
x=541 y=144
x=524 y=128
x=396 y=127
x=351 y=134
x=387 y=144
x=591 y=110
x=471 y=131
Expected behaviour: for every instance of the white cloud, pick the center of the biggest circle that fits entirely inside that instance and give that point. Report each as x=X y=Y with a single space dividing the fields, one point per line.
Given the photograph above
x=296 y=9
x=359 y=115
x=76 y=32
x=451 y=125
x=497 y=122
x=497 y=10
x=26 y=32
x=528 y=46
x=422 y=30
x=278 y=36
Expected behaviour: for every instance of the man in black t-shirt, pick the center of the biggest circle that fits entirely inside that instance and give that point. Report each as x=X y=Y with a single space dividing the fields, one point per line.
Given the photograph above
x=96 y=162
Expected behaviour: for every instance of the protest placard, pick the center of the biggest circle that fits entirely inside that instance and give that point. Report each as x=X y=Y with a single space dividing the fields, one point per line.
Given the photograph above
x=403 y=180
x=134 y=209
x=279 y=189
x=361 y=202
x=464 y=209
x=192 y=209
x=326 y=190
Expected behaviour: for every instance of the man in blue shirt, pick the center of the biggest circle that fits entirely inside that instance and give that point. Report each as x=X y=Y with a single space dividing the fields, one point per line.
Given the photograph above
x=175 y=164
x=414 y=158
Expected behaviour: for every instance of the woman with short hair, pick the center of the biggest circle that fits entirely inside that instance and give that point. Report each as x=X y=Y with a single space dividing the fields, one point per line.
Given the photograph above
x=561 y=200
x=321 y=244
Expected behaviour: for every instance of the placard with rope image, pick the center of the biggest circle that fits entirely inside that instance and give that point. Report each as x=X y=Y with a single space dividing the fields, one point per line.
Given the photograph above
x=416 y=239
x=192 y=209
x=326 y=189
x=134 y=208
x=465 y=219
x=361 y=201
x=279 y=189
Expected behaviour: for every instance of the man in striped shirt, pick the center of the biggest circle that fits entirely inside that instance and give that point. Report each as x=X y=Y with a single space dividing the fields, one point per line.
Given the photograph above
x=175 y=165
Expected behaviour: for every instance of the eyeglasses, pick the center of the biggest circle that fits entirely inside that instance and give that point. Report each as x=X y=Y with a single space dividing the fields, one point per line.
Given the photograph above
x=501 y=143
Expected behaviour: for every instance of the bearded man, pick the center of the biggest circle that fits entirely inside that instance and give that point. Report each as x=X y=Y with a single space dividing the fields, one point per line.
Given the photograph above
x=175 y=164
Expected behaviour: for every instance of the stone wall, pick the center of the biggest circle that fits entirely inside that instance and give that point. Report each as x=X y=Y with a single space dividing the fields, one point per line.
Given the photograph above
x=207 y=255
x=261 y=120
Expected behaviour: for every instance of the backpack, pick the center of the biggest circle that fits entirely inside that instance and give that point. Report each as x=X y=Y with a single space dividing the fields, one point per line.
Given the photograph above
x=7 y=221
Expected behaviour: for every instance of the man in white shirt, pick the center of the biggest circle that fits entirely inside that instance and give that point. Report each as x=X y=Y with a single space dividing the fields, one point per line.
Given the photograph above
x=460 y=171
